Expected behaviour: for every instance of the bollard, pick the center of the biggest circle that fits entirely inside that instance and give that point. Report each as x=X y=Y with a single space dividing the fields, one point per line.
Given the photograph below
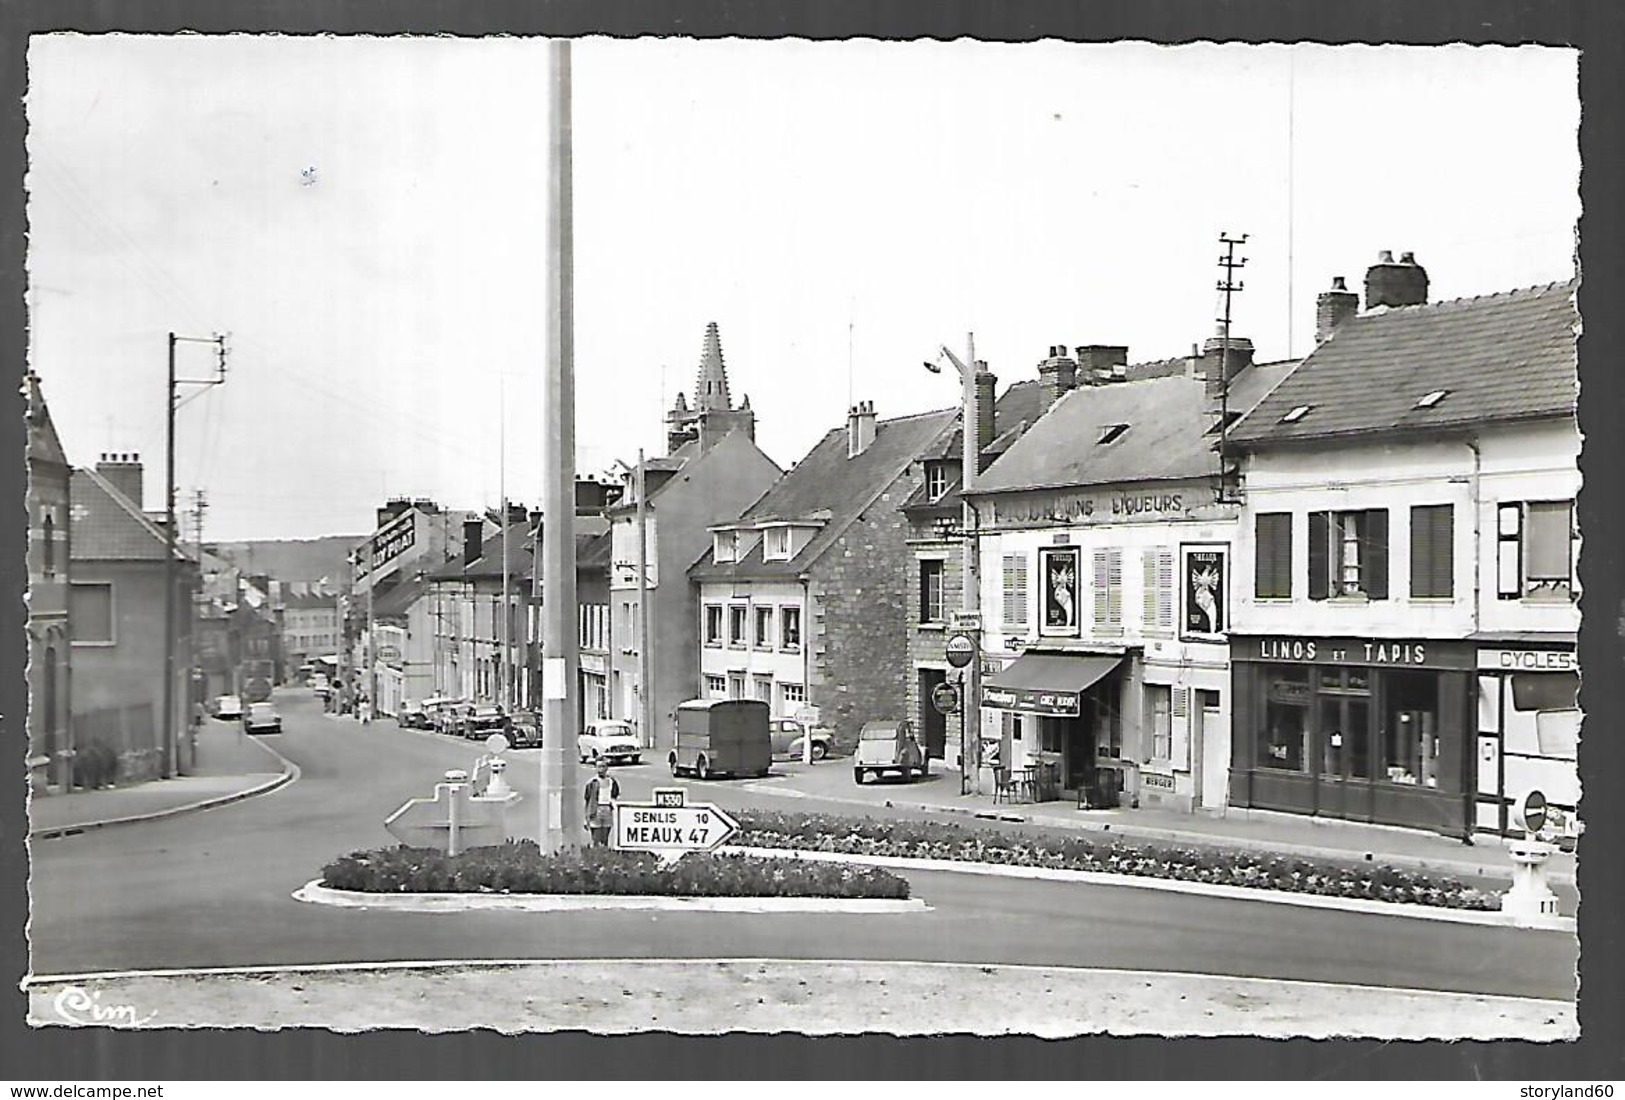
x=456 y=780
x=1530 y=895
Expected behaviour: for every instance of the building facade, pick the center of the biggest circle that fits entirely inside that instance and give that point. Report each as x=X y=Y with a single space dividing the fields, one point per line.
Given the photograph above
x=1406 y=614
x=804 y=597
x=50 y=635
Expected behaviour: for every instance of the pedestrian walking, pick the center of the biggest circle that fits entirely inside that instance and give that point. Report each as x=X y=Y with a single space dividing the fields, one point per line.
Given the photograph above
x=600 y=795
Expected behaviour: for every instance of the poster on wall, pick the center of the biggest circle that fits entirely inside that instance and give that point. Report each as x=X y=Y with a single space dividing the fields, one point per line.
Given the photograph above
x=1058 y=572
x=1205 y=601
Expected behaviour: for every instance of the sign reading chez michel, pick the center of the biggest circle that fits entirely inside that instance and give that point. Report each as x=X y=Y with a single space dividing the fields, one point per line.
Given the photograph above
x=1399 y=653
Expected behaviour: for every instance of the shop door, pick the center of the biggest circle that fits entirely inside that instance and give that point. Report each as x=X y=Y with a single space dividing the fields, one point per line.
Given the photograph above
x=933 y=724
x=1344 y=783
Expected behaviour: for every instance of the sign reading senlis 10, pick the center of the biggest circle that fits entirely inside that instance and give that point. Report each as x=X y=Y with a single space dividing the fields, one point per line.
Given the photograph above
x=670 y=824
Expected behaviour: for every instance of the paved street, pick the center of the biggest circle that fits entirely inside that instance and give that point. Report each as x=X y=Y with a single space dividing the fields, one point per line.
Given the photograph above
x=212 y=889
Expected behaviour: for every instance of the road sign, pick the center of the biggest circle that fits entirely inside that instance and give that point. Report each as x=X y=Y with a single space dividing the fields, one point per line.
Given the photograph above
x=967 y=620
x=945 y=697
x=452 y=820
x=1532 y=811
x=669 y=824
x=961 y=650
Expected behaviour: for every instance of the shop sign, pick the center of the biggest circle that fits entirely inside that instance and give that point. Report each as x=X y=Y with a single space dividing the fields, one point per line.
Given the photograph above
x=1058 y=571
x=945 y=697
x=392 y=542
x=1040 y=509
x=1157 y=781
x=1058 y=704
x=389 y=654
x=1528 y=660
x=1206 y=591
x=961 y=650
x=1430 y=653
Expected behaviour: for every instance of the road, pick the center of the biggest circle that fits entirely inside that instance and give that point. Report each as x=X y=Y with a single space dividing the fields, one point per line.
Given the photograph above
x=212 y=889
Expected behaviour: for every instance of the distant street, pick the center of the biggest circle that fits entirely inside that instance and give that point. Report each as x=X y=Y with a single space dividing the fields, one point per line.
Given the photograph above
x=212 y=889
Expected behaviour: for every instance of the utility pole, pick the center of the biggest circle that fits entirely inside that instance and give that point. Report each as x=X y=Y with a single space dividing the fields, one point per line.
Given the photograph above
x=1229 y=285
x=504 y=675
x=169 y=747
x=561 y=806
x=646 y=703
x=970 y=590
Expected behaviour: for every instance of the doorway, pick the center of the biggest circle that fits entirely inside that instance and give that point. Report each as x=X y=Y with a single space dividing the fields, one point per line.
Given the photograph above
x=933 y=724
x=1344 y=749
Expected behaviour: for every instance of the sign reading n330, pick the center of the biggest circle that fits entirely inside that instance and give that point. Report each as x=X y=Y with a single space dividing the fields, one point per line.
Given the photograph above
x=670 y=824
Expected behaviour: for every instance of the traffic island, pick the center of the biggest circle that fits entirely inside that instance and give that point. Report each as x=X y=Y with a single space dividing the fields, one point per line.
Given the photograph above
x=518 y=876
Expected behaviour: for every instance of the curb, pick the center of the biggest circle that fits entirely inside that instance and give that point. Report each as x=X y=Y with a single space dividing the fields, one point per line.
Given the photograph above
x=1181 y=886
x=315 y=893
x=1169 y=836
x=290 y=773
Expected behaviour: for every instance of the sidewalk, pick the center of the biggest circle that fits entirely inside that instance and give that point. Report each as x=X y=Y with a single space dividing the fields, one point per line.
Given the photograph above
x=1254 y=830
x=230 y=765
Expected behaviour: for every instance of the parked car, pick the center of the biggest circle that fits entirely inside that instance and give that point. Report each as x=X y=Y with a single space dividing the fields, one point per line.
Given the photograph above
x=448 y=716
x=228 y=708
x=889 y=747
x=788 y=735
x=320 y=687
x=722 y=737
x=408 y=714
x=433 y=708
x=609 y=740
x=525 y=730
x=262 y=718
x=482 y=721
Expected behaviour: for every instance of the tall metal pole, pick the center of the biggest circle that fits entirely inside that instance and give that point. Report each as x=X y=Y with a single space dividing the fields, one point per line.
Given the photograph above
x=167 y=755
x=970 y=594
x=505 y=677
x=561 y=811
x=646 y=705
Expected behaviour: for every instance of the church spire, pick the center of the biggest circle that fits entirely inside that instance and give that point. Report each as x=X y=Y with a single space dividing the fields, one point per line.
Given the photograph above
x=711 y=381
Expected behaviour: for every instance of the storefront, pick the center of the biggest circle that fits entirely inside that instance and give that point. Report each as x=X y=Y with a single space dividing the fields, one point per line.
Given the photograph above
x=1528 y=728
x=1361 y=729
x=1061 y=718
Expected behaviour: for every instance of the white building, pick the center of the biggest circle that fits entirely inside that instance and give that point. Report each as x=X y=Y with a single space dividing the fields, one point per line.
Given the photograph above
x=1105 y=571
x=1405 y=616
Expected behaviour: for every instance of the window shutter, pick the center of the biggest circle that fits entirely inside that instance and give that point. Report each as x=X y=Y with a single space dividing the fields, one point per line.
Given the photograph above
x=1179 y=729
x=1374 y=546
x=1508 y=552
x=1114 y=589
x=1149 y=591
x=1165 y=589
x=1319 y=563
x=1101 y=597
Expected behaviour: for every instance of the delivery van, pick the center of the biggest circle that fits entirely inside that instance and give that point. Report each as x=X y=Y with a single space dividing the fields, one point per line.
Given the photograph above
x=722 y=737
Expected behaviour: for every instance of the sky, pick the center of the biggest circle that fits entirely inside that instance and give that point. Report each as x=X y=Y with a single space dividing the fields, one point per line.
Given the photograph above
x=366 y=219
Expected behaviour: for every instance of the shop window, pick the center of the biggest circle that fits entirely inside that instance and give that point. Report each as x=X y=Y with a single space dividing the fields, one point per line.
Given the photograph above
x=764 y=628
x=1159 y=705
x=1284 y=741
x=90 y=610
x=1410 y=729
x=790 y=628
x=1015 y=592
x=1348 y=554
x=1433 y=551
x=1108 y=588
x=1272 y=561
x=931 y=591
x=1159 y=590
x=1546 y=691
x=1535 y=547
x=736 y=624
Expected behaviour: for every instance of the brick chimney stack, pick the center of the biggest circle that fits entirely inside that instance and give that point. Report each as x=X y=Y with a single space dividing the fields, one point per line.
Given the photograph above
x=1057 y=374
x=1395 y=284
x=123 y=470
x=1102 y=363
x=860 y=428
x=1333 y=307
x=987 y=384
x=1221 y=366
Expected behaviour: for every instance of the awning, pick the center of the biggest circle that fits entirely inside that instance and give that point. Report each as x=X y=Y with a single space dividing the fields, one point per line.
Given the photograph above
x=1047 y=683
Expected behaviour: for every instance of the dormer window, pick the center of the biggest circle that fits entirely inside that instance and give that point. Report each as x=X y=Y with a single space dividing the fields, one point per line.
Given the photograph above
x=936 y=480
x=1111 y=433
x=722 y=546
x=1298 y=413
x=777 y=544
x=1427 y=401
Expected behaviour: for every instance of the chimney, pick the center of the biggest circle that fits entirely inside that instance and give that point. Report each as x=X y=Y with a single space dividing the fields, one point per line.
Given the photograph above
x=124 y=471
x=1332 y=308
x=986 y=402
x=1221 y=365
x=1395 y=284
x=473 y=530
x=860 y=428
x=1056 y=375
x=1102 y=363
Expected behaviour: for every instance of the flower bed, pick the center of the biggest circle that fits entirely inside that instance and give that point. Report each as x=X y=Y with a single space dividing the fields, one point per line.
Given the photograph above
x=519 y=867
x=949 y=841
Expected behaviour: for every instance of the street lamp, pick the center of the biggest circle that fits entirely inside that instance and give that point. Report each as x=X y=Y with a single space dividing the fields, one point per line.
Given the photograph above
x=970 y=588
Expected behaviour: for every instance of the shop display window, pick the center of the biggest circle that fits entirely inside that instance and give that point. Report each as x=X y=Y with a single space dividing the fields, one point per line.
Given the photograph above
x=1410 y=730
x=1283 y=744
